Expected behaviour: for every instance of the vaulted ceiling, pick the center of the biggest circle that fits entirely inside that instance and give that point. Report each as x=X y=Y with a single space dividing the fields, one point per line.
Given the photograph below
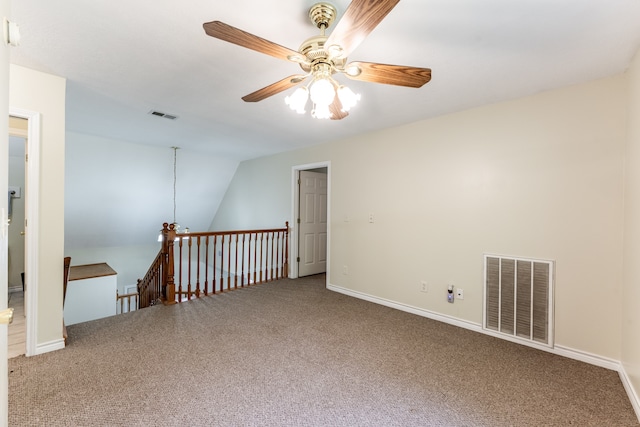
x=122 y=60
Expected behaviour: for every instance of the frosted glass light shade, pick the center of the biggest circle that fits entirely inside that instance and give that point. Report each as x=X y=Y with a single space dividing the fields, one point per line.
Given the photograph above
x=348 y=99
x=321 y=111
x=322 y=92
x=298 y=100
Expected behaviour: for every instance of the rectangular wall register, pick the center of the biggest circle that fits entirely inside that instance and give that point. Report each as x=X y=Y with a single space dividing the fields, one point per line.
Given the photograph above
x=519 y=298
x=91 y=293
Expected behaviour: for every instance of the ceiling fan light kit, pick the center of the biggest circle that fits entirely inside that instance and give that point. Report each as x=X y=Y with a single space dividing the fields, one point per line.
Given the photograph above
x=298 y=100
x=320 y=57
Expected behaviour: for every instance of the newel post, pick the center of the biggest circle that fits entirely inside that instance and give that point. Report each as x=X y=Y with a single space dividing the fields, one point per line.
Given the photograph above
x=168 y=284
x=286 y=249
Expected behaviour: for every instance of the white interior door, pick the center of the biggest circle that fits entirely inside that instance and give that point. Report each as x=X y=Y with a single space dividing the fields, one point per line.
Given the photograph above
x=312 y=236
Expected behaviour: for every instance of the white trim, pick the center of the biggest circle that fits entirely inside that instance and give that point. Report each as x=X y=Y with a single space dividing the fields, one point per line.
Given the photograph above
x=408 y=308
x=32 y=236
x=293 y=225
x=633 y=396
x=570 y=353
x=129 y=289
x=49 y=346
x=589 y=358
x=586 y=357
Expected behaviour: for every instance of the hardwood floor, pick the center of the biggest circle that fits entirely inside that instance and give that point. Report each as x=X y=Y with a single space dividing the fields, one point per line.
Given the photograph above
x=17 y=329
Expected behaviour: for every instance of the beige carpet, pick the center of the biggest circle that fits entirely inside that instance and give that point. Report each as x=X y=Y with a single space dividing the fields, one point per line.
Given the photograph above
x=291 y=353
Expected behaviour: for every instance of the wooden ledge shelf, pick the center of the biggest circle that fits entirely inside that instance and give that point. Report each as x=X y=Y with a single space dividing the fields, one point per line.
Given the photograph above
x=91 y=293
x=89 y=271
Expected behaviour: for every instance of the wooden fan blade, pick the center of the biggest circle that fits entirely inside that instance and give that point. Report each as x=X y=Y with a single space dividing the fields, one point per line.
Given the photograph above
x=274 y=88
x=360 y=18
x=336 y=110
x=230 y=34
x=399 y=75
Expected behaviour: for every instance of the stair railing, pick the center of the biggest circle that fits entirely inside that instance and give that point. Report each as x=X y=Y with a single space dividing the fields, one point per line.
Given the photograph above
x=190 y=265
x=126 y=302
x=205 y=263
x=150 y=287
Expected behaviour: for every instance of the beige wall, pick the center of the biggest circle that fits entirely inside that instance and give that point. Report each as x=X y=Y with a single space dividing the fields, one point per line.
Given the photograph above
x=630 y=296
x=538 y=177
x=43 y=93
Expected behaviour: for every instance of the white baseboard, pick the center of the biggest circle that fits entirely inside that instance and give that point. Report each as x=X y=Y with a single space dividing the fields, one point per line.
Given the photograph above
x=560 y=350
x=633 y=395
x=607 y=363
x=48 y=346
x=590 y=358
x=408 y=308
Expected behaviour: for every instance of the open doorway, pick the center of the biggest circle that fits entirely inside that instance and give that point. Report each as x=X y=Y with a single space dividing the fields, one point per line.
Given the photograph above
x=25 y=126
x=16 y=212
x=310 y=236
x=18 y=132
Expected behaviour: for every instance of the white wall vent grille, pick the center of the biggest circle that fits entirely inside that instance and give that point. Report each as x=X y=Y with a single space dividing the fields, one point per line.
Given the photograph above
x=518 y=298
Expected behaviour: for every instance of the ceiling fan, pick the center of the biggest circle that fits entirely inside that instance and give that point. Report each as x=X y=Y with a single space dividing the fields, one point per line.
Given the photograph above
x=320 y=57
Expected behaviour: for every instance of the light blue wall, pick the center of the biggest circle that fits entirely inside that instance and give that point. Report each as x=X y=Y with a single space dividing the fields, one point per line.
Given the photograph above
x=118 y=194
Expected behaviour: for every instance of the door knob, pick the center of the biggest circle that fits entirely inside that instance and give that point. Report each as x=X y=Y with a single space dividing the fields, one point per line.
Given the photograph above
x=6 y=316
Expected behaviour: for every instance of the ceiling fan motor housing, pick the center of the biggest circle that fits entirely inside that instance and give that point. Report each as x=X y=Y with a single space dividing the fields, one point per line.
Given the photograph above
x=322 y=15
x=313 y=50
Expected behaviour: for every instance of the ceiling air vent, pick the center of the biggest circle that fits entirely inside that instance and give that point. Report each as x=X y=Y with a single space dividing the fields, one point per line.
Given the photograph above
x=163 y=115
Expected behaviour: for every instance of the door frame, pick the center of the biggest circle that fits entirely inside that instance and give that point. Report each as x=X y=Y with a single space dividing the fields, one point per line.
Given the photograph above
x=32 y=198
x=295 y=210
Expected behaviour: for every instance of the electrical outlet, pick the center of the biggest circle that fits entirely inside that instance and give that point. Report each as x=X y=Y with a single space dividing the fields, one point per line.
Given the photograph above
x=450 y=294
x=371 y=218
x=424 y=287
x=345 y=269
x=459 y=293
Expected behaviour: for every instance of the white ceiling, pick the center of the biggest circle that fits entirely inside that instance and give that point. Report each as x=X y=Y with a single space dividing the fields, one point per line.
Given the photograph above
x=122 y=60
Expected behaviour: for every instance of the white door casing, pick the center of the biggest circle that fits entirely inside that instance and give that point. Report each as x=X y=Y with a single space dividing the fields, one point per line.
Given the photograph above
x=312 y=237
x=295 y=207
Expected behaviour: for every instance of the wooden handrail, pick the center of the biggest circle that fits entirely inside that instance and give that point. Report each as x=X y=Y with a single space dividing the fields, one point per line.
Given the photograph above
x=204 y=263
x=150 y=286
x=216 y=261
